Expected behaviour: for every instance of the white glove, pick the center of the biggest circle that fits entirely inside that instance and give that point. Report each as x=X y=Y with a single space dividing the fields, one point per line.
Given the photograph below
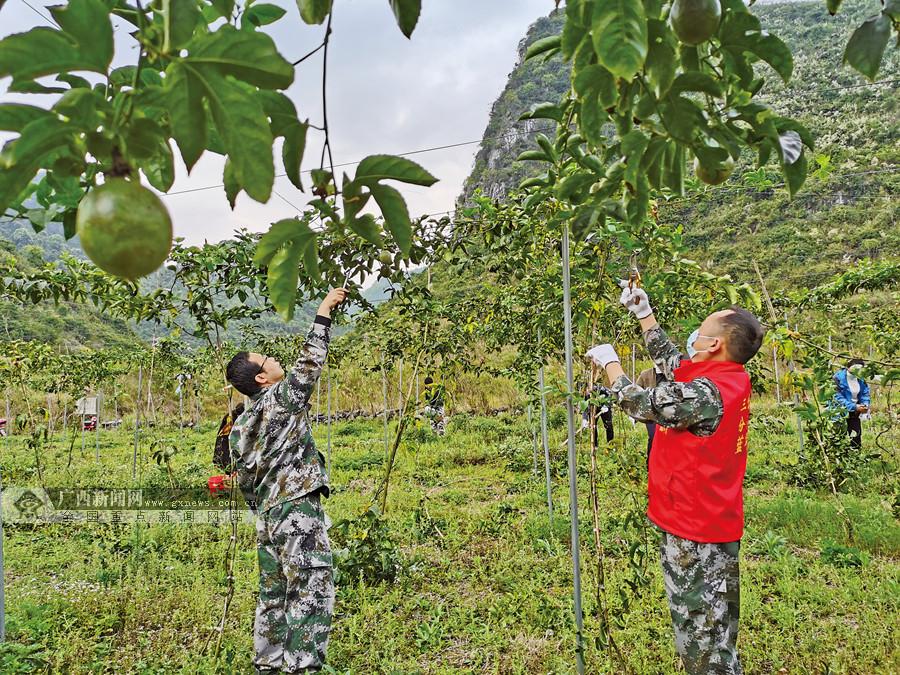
x=602 y=355
x=635 y=300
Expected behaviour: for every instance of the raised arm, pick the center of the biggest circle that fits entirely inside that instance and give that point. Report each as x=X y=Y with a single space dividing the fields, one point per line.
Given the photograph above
x=299 y=382
x=695 y=405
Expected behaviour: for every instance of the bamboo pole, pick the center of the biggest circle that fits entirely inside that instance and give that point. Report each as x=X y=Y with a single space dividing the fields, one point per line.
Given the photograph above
x=573 y=459
x=97 y=429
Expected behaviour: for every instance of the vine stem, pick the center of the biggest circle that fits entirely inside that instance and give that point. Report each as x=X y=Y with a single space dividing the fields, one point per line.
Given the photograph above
x=602 y=603
x=326 y=146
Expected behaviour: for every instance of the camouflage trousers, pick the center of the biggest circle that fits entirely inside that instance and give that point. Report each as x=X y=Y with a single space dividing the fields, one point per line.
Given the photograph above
x=703 y=588
x=296 y=587
x=435 y=414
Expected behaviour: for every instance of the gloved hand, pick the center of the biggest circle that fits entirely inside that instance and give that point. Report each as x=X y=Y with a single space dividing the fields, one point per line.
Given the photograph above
x=635 y=300
x=603 y=355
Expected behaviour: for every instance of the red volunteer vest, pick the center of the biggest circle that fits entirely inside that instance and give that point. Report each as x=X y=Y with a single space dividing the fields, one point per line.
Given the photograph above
x=696 y=482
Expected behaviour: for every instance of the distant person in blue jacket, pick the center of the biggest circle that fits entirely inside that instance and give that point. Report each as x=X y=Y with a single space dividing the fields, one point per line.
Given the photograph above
x=853 y=394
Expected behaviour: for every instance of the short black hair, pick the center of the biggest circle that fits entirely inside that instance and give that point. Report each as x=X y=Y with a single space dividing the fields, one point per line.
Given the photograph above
x=744 y=332
x=241 y=372
x=855 y=362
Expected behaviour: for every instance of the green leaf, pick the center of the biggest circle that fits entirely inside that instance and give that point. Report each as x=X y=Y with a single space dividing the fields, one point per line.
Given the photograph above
x=243 y=128
x=80 y=107
x=225 y=8
x=41 y=51
x=38 y=138
x=262 y=15
x=661 y=61
x=696 y=81
x=143 y=138
x=179 y=22
x=542 y=46
x=619 y=34
x=866 y=46
x=396 y=215
x=187 y=118
x=543 y=111
x=682 y=117
x=389 y=167
x=795 y=174
x=14 y=183
x=314 y=12
x=284 y=273
x=283 y=117
x=14 y=116
x=574 y=188
x=407 y=14
x=833 y=6
x=596 y=89
x=367 y=227
x=160 y=167
x=634 y=143
x=250 y=56
x=774 y=52
x=533 y=156
x=353 y=196
x=87 y=23
x=230 y=181
x=279 y=234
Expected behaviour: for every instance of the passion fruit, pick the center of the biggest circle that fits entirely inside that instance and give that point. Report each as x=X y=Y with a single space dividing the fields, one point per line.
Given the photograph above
x=717 y=176
x=386 y=258
x=124 y=228
x=695 y=21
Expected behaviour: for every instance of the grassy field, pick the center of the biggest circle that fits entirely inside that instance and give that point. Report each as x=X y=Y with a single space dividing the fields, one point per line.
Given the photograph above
x=484 y=580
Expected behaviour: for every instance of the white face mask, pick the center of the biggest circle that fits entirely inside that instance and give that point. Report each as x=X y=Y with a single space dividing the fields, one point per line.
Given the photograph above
x=692 y=338
x=690 y=342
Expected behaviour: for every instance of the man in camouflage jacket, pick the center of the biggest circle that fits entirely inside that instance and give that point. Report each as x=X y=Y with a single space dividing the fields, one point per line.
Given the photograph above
x=696 y=471
x=282 y=477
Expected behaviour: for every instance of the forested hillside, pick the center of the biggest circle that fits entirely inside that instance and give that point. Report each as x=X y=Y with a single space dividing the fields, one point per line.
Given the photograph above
x=846 y=211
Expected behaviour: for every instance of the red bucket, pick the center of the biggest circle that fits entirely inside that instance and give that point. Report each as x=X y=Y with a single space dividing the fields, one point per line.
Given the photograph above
x=216 y=485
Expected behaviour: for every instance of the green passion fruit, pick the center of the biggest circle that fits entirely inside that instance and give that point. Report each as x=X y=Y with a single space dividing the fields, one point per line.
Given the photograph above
x=386 y=258
x=695 y=21
x=124 y=228
x=716 y=176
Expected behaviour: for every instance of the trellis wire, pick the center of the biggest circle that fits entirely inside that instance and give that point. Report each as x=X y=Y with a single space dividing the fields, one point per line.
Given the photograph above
x=573 y=478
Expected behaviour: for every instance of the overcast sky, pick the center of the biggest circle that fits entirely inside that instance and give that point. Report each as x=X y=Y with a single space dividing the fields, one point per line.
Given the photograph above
x=386 y=94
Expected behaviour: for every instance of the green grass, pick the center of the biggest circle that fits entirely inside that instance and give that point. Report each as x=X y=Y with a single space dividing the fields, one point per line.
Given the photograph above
x=485 y=580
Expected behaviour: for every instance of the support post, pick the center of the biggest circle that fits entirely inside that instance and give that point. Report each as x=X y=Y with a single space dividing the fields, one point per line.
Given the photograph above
x=534 y=443
x=2 y=576
x=97 y=430
x=318 y=401
x=546 y=445
x=400 y=387
x=9 y=423
x=384 y=392
x=777 y=374
x=573 y=459
x=328 y=442
x=50 y=414
x=137 y=421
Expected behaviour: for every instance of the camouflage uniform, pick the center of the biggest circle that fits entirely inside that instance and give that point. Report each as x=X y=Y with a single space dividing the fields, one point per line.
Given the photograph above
x=434 y=408
x=282 y=477
x=701 y=580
